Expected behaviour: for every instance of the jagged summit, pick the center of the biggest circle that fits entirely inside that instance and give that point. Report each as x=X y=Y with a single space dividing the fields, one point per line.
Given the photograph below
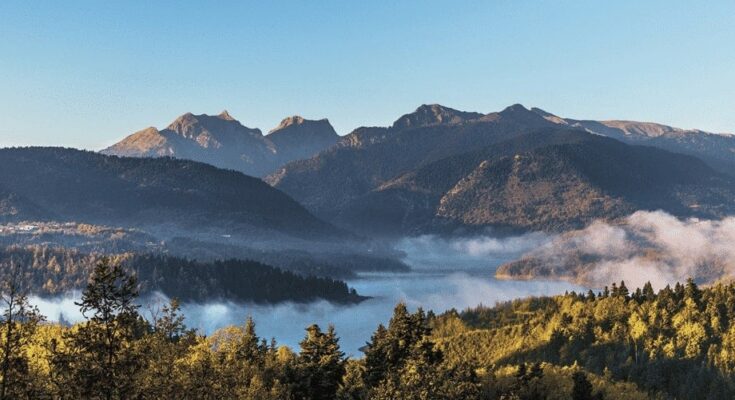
x=431 y=114
x=297 y=137
x=321 y=127
x=519 y=110
x=297 y=120
x=226 y=116
x=223 y=141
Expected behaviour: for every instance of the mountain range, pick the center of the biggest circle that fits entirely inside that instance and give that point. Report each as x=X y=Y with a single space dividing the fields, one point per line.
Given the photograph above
x=224 y=142
x=434 y=170
x=717 y=150
x=440 y=169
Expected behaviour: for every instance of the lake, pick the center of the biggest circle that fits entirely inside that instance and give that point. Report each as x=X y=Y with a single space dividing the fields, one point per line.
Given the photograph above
x=445 y=274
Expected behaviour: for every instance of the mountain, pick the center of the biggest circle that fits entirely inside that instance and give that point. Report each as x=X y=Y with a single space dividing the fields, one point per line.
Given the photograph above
x=432 y=114
x=297 y=138
x=439 y=169
x=369 y=157
x=14 y=208
x=224 y=142
x=717 y=150
x=553 y=179
x=73 y=185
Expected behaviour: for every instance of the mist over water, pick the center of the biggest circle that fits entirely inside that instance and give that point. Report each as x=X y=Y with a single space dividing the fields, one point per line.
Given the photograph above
x=446 y=274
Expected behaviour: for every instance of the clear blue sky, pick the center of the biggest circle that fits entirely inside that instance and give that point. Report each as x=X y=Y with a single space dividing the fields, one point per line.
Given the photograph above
x=85 y=74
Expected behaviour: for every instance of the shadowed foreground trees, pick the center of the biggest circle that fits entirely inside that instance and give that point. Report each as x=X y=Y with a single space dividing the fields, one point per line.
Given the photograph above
x=677 y=343
x=19 y=322
x=100 y=359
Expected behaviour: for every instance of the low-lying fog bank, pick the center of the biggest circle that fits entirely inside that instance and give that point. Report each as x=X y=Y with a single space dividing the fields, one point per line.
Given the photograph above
x=645 y=246
x=460 y=273
x=446 y=274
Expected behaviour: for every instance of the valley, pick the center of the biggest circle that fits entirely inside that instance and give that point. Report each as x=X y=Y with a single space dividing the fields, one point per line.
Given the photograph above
x=455 y=216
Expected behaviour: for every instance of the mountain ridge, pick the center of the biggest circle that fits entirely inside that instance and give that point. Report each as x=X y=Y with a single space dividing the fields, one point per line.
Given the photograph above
x=716 y=149
x=221 y=140
x=82 y=186
x=364 y=183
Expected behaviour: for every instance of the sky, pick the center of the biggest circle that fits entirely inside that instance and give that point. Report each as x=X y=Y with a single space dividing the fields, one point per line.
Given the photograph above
x=87 y=73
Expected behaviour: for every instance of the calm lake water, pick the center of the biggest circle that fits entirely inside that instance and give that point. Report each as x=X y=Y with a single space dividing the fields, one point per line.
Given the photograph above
x=445 y=275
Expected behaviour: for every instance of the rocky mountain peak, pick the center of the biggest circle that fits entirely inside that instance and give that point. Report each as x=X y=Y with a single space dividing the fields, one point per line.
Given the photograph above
x=432 y=114
x=226 y=116
x=297 y=123
x=289 y=121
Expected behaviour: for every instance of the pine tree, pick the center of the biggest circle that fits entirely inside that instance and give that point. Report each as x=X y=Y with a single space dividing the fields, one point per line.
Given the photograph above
x=103 y=361
x=691 y=291
x=376 y=355
x=320 y=365
x=648 y=292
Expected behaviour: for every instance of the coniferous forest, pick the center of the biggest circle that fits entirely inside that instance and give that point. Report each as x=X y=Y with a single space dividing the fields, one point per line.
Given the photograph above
x=616 y=344
x=56 y=271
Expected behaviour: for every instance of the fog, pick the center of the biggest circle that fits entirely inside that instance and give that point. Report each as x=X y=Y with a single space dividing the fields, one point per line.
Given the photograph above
x=446 y=274
x=646 y=246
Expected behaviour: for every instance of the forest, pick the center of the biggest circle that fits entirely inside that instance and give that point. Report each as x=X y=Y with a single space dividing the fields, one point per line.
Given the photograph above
x=54 y=271
x=615 y=344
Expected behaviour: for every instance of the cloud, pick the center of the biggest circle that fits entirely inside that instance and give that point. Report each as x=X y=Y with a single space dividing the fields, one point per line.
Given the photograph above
x=645 y=246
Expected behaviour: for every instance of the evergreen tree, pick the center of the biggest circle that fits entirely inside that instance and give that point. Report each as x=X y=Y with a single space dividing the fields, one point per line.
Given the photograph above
x=102 y=361
x=320 y=365
x=691 y=291
x=648 y=292
x=376 y=355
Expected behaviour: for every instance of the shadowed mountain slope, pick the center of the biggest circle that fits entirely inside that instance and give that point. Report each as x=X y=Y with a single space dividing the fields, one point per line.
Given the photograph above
x=73 y=185
x=439 y=169
x=369 y=157
x=717 y=150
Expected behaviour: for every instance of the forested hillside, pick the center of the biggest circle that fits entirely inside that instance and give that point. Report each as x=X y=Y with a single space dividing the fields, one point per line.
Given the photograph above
x=677 y=343
x=72 y=185
x=55 y=272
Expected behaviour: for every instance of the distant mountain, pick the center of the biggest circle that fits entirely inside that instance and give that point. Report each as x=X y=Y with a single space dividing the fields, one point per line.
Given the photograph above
x=224 y=142
x=717 y=150
x=440 y=169
x=369 y=157
x=73 y=185
x=296 y=138
x=432 y=114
